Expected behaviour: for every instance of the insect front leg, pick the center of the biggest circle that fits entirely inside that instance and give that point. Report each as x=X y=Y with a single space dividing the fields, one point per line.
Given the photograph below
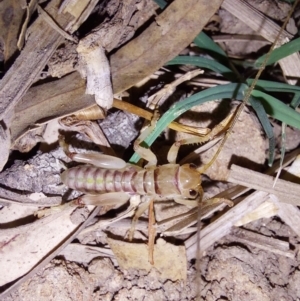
x=207 y=205
x=140 y=210
x=143 y=152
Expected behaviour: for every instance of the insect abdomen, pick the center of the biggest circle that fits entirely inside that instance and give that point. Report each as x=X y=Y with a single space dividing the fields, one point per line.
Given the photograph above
x=91 y=179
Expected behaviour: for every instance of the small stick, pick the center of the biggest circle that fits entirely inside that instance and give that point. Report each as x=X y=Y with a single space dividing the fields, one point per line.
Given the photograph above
x=286 y=191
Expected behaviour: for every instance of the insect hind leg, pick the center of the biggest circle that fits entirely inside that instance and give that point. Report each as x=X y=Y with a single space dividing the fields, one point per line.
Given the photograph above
x=146 y=153
x=219 y=128
x=96 y=159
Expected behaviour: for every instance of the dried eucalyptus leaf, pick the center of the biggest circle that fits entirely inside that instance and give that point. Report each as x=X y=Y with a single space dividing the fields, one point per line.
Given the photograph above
x=10 y=22
x=23 y=247
x=169 y=260
x=173 y=30
x=41 y=44
x=55 y=96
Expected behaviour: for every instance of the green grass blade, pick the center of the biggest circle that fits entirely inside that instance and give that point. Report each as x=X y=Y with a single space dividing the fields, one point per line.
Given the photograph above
x=271 y=86
x=295 y=101
x=203 y=41
x=161 y=3
x=264 y=120
x=278 y=109
x=210 y=47
x=280 y=53
x=202 y=63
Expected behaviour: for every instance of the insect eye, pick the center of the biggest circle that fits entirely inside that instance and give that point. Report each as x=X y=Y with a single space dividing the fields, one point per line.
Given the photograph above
x=193 y=166
x=193 y=193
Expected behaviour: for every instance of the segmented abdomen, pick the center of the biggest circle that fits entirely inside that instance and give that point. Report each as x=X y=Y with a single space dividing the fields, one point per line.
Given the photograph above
x=89 y=179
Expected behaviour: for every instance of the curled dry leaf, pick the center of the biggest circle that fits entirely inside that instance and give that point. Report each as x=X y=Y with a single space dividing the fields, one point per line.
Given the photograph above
x=29 y=140
x=95 y=68
x=91 y=130
x=55 y=97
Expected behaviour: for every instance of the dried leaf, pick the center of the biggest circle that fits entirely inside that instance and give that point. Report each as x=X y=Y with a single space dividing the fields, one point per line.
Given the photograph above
x=10 y=23
x=169 y=260
x=91 y=130
x=27 y=67
x=172 y=31
x=55 y=97
x=29 y=140
x=23 y=247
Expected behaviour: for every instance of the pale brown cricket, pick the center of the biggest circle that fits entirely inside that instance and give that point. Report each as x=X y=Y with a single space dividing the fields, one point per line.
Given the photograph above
x=106 y=179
